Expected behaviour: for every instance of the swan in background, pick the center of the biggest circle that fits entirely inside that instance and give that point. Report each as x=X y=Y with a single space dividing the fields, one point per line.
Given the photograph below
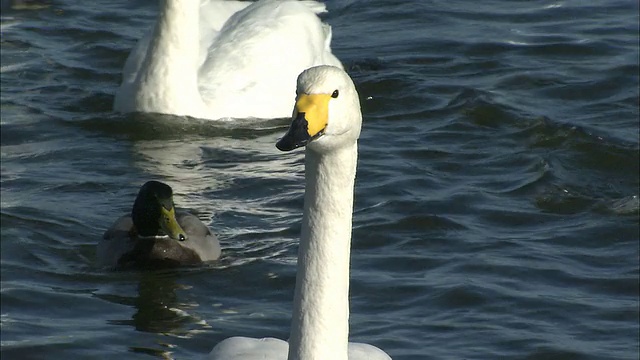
x=155 y=235
x=327 y=119
x=224 y=59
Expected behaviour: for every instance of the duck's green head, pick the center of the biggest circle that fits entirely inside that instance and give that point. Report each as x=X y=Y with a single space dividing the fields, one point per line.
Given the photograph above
x=154 y=214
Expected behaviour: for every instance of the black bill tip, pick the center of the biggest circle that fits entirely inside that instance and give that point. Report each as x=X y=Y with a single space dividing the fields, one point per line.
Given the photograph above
x=297 y=135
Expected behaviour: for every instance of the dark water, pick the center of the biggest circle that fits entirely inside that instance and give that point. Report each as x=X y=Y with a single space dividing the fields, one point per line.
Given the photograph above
x=497 y=192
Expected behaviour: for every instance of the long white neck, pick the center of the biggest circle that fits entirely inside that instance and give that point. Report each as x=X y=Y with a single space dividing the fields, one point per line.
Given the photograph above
x=320 y=324
x=169 y=79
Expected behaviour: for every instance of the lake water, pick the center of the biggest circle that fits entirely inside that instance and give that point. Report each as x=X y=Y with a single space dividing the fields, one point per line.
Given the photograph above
x=496 y=211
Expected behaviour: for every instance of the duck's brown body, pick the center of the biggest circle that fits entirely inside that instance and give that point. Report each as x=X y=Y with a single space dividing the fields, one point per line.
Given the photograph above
x=145 y=244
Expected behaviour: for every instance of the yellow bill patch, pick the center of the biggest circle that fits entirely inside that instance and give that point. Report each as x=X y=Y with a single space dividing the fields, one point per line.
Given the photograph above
x=316 y=110
x=169 y=224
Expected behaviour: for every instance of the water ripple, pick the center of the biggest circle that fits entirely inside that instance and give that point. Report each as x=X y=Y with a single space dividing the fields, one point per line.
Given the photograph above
x=496 y=209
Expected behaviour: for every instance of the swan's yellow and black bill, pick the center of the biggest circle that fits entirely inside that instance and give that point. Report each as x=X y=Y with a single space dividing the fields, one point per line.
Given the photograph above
x=309 y=121
x=169 y=224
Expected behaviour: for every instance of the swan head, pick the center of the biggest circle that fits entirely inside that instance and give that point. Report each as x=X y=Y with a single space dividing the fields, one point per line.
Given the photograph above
x=327 y=113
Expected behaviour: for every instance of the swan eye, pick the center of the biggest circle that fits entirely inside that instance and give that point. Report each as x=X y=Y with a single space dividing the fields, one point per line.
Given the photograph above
x=335 y=94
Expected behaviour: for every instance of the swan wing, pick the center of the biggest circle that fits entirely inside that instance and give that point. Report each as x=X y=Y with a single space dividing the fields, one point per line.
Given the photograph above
x=258 y=54
x=213 y=15
x=361 y=351
x=243 y=348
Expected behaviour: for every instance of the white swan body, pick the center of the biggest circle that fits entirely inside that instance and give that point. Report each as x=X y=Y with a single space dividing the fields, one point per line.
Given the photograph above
x=327 y=119
x=224 y=59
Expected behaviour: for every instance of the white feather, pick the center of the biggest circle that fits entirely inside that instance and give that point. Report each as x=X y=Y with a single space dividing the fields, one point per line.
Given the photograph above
x=224 y=59
x=320 y=319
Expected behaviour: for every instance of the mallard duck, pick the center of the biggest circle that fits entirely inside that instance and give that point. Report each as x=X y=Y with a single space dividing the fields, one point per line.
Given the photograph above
x=224 y=59
x=155 y=235
x=327 y=120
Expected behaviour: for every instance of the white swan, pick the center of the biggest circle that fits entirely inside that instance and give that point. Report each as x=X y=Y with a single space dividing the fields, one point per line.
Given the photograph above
x=327 y=120
x=224 y=59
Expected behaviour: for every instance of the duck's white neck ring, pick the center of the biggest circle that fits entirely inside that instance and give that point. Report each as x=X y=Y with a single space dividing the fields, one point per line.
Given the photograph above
x=153 y=237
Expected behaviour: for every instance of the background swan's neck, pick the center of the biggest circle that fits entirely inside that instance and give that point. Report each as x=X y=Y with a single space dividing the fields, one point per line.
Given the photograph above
x=169 y=76
x=320 y=324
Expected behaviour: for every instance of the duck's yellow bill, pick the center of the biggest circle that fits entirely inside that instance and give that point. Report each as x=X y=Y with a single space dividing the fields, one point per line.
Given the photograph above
x=169 y=224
